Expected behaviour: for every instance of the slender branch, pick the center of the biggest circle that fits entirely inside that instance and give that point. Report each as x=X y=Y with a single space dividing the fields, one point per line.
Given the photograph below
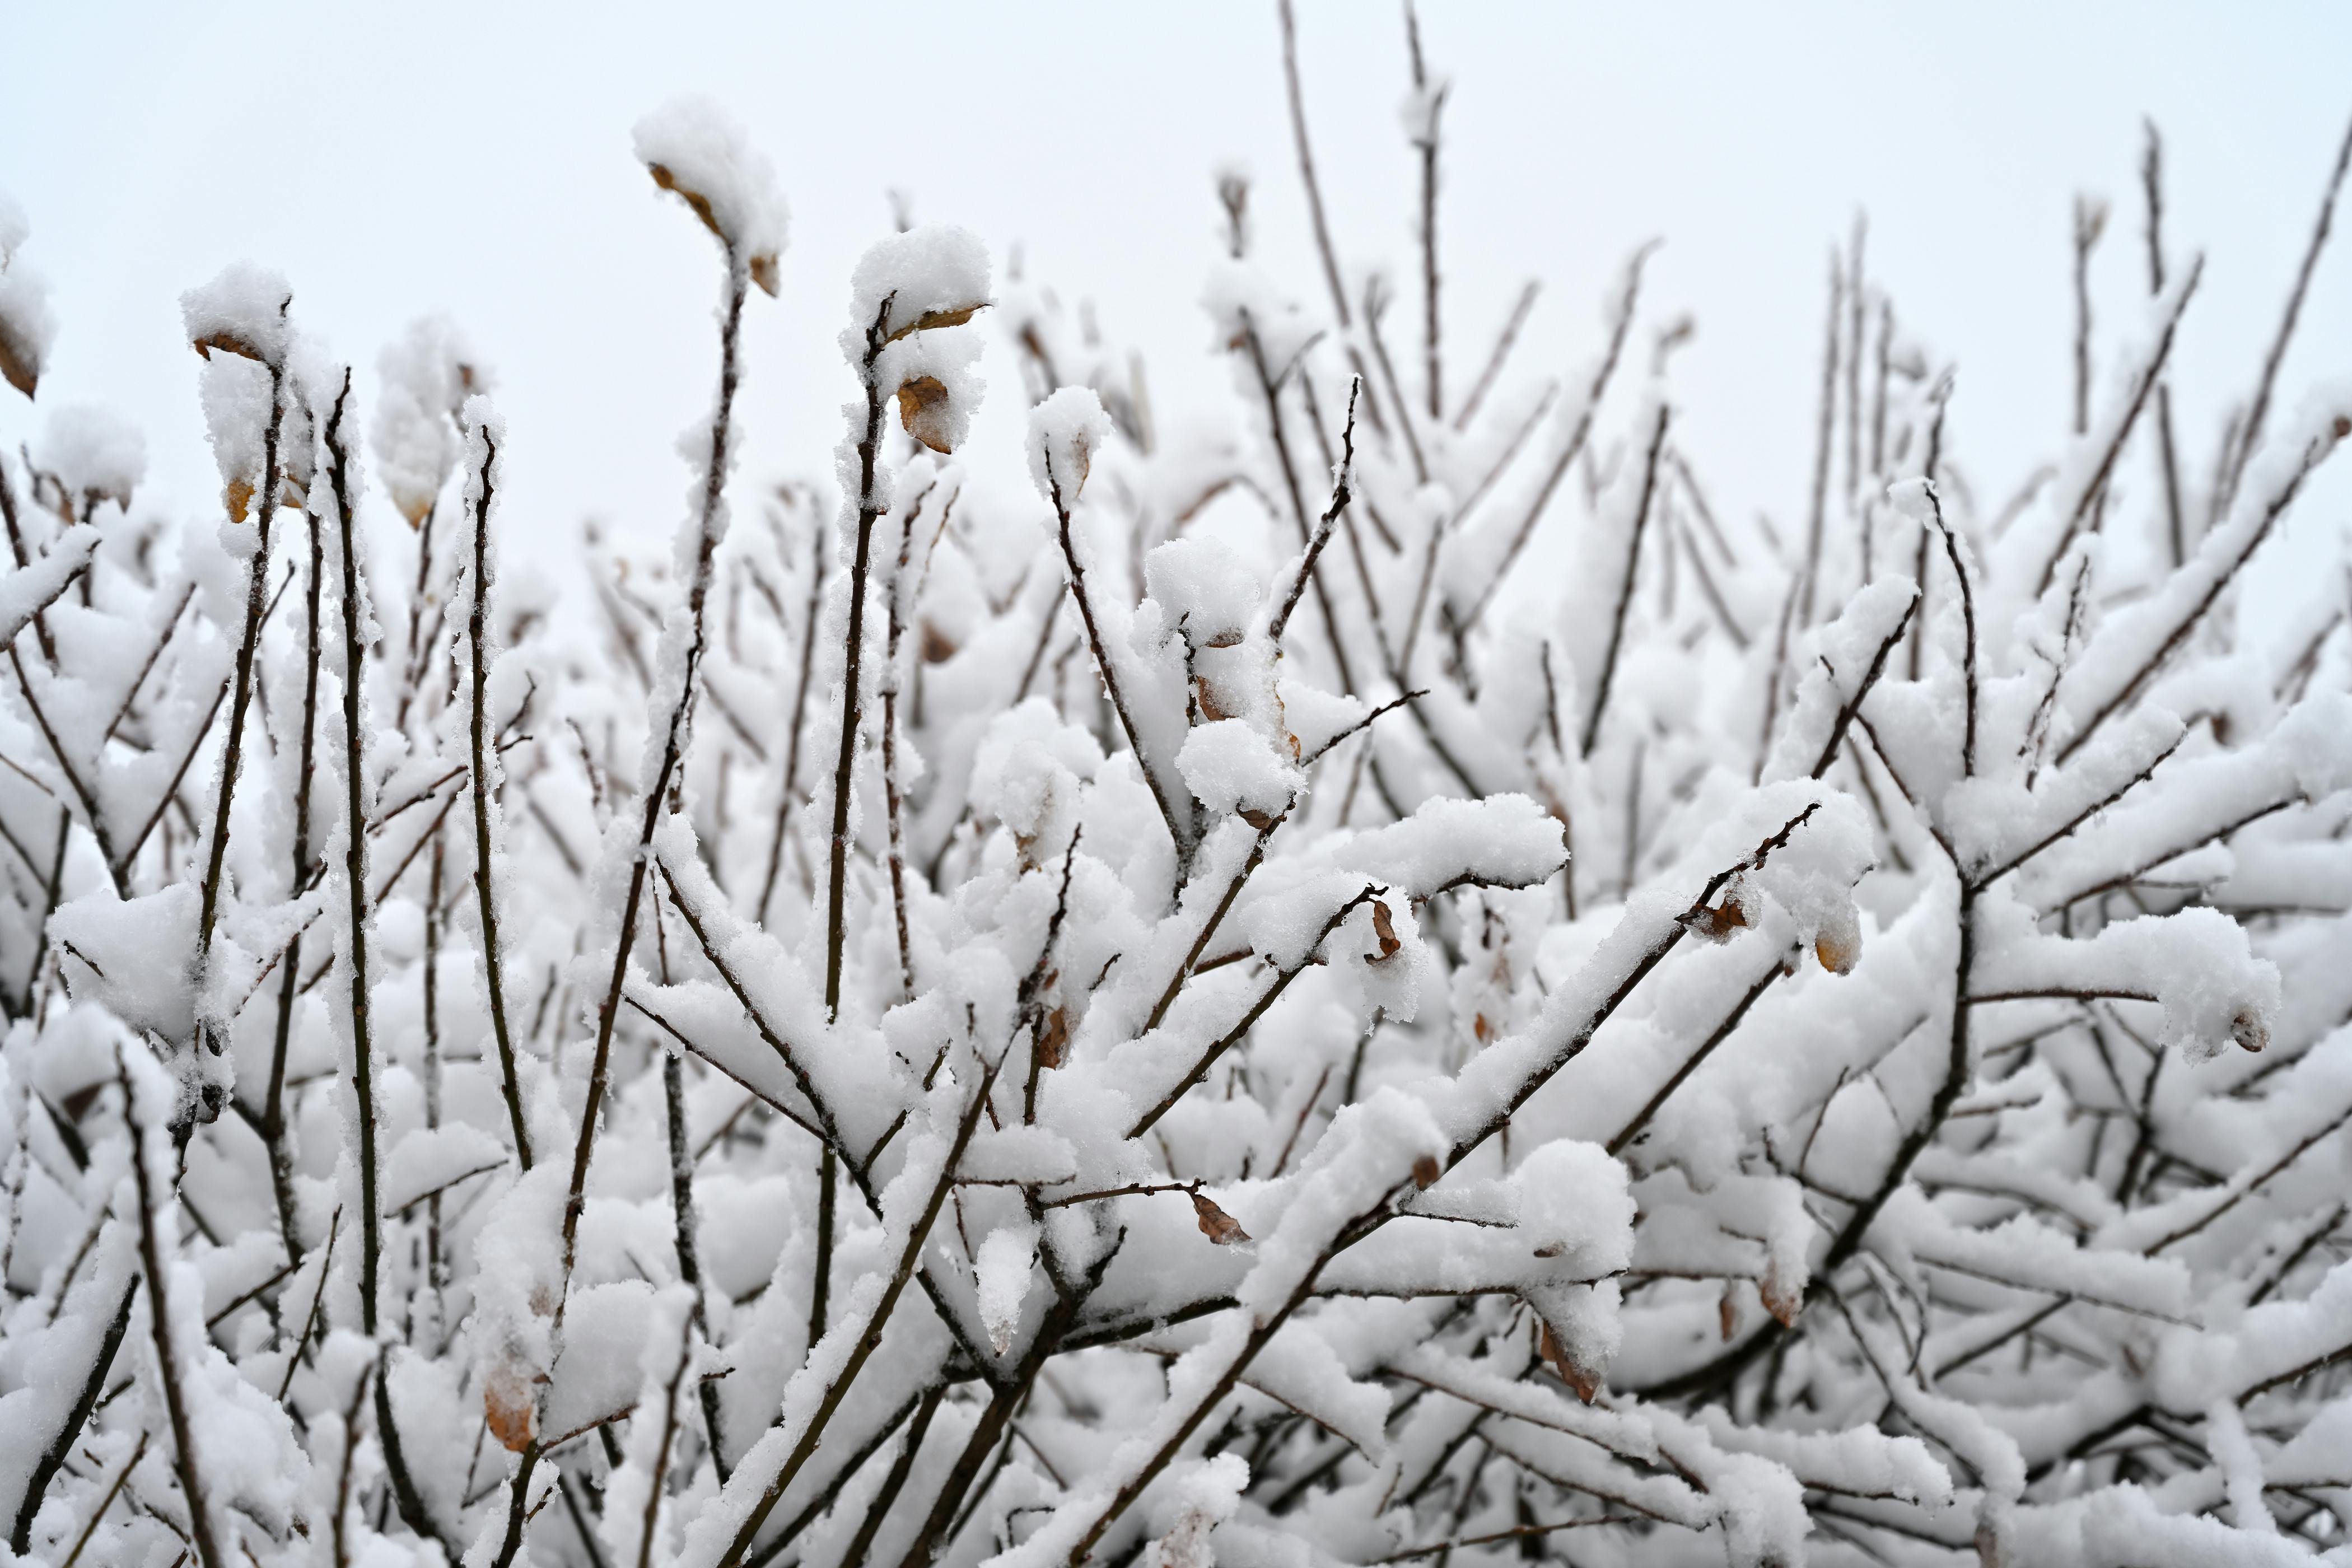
x=479 y=778
x=1501 y=352
x=257 y=584
x=1624 y=598
x=1341 y=495
x=2249 y=431
x=788 y=792
x=675 y=728
x=168 y=1370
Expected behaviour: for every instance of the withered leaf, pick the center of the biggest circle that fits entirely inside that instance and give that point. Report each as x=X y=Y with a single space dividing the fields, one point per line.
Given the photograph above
x=1384 y=930
x=1206 y=695
x=1835 y=956
x=1215 y=1223
x=1781 y=1301
x=238 y=497
x=938 y=647
x=1231 y=637
x=229 y=343
x=509 y=1409
x=1425 y=1172
x=1260 y=820
x=18 y=364
x=922 y=408
x=2250 y=1032
x=955 y=317
x=694 y=199
x=1726 y=1314
x=1718 y=924
x=1054 y=1040
x=763 y=273
x=1572 y=1370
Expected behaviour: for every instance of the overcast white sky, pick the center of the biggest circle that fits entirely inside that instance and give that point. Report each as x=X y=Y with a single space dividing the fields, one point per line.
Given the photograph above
x=474 y=158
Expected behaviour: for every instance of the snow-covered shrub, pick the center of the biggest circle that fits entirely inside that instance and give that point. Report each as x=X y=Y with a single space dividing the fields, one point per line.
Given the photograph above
x=1475 y=1007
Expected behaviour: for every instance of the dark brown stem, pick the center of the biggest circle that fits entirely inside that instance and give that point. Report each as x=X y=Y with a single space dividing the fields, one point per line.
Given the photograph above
x=273 y=1105
x=167 y=1356
x=1509 y=335
x=53 y=1457
x=2250 y=432
x=838 y=1387
x=256 y=585
x=1180 y=826
x=1307 y=164
x=355 y=841
x=682 y=1220
x=1322 y=535
x=1427 y=147
x=1624 y=598
x=1809 y=582
x=1270 y=390
x=2090 y=218
x=2151 y=173
x=1852 y=705
x=1257 y=1010
x=896 y=1481
x=788 y=792
x=477 y=735
x=1578 y=438
x=2087 y=503
x=676 y=726
x=869 y=508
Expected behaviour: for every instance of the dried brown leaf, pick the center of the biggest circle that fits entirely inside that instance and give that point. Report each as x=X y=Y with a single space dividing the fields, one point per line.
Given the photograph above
x=1425 y=1172
x=1054 y=1040
x=18 y=364
x=1384 y=930
x=1835 y=955
x=955 y=317
x=230 y=343
x=511 y=1410
x=1215 y=1223
x=922 y=408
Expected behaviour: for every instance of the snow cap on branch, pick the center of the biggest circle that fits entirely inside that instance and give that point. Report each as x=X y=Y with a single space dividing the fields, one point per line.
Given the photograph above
x=27 y=325
x=241 y=311
x=1065 y=433
x=695 y=148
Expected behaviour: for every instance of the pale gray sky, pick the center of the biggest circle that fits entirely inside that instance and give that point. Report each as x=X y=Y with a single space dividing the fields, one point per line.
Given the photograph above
x=474 y=158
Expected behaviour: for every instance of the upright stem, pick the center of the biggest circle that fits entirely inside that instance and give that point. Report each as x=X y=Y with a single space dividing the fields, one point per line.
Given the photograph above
x=1809 y=583
x=890 y=677
x=1426 y=144
x=1968 y=601
x=790 y=791
x=167 y=1359
x=355 y=838
x=869 y=451
x=480 y=742
x=674 y=731
x=869 y=507
x=1625 y=592
x=257 y=604
x=289 y=984
x=413 y=665
x=2151 y=171
x=689 y=1259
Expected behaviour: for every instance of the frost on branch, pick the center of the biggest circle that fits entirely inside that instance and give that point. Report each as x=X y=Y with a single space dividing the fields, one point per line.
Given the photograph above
x=1399 y=983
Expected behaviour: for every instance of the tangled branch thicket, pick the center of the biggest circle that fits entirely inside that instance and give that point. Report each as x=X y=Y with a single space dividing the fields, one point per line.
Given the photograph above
x=913 y=1040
